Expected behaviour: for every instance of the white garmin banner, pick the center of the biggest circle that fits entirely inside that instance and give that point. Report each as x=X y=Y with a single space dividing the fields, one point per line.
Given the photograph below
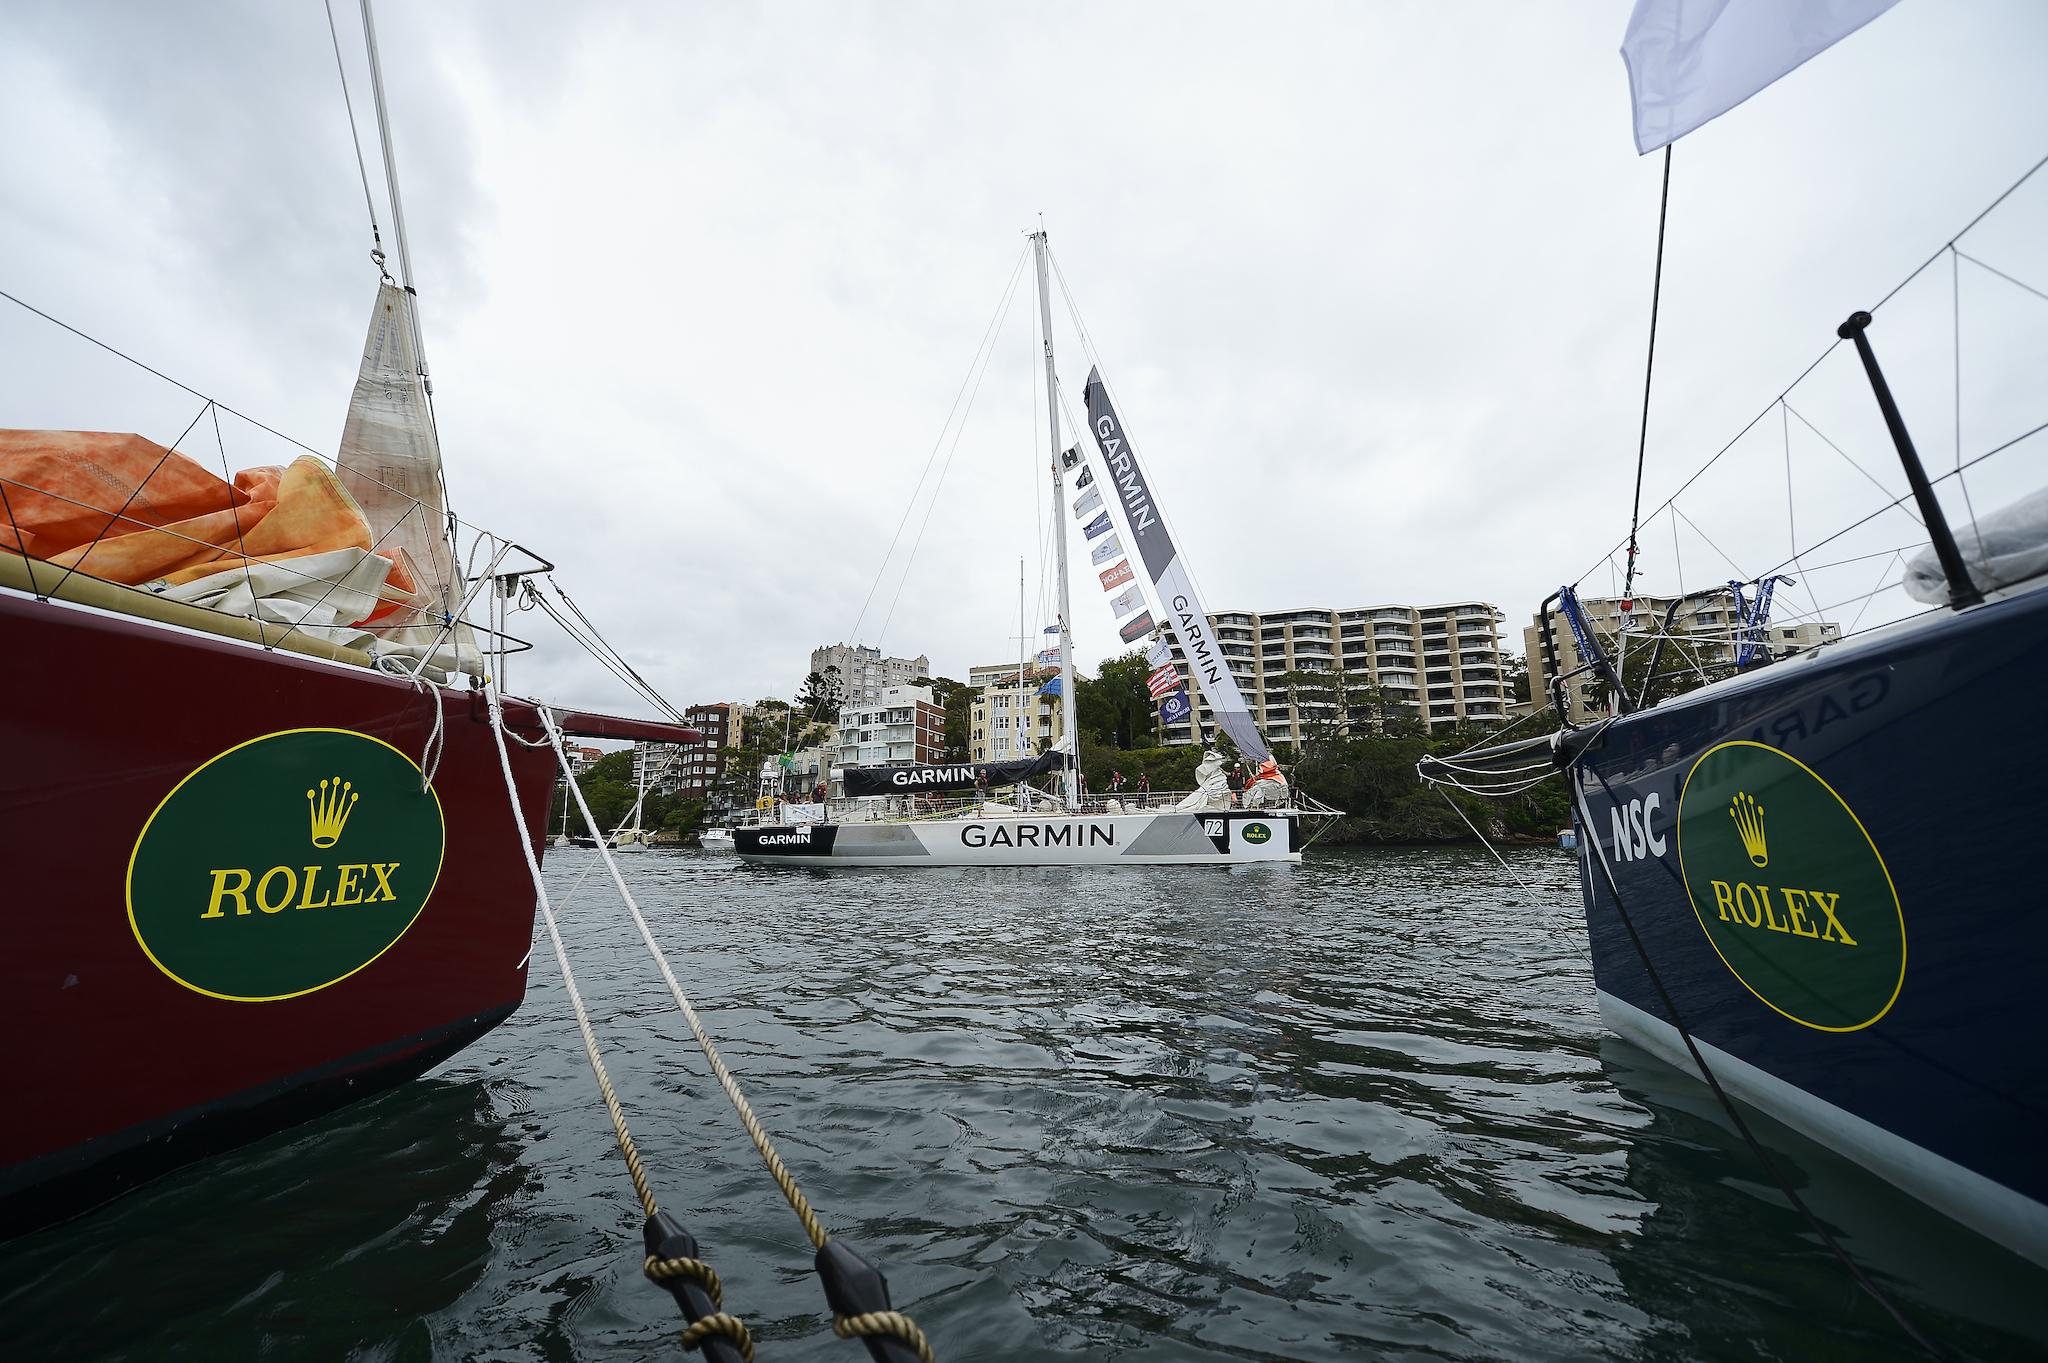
x=1132 y=499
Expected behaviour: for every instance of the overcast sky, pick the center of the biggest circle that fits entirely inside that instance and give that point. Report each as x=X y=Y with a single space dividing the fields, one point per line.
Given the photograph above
x=700 y=284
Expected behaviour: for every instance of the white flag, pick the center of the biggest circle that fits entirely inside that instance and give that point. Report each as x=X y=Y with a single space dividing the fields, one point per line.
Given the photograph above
x=1690 y=61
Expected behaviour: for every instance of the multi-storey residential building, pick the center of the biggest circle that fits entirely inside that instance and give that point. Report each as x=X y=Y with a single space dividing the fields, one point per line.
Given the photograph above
x=901 y=726
x=864 y=673
x=1005 y=708
x=691 y=770
x=1707 y=629
x=1445 y=661
x=581 y=759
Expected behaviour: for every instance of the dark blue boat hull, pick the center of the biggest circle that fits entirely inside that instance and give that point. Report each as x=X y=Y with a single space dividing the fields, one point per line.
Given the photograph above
x=1830 y=865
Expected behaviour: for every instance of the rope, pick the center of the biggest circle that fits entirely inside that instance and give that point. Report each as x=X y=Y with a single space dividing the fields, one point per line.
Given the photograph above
x=894 y=1323
x=657 y=1270
x=1482 y=839
x=1635 y=514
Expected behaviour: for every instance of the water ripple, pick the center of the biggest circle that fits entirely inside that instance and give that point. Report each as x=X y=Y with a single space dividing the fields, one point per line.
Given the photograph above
x=1360 y=1108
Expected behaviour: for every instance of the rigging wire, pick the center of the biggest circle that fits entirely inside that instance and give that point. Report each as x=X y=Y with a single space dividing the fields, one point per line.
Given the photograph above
x=1649 y=370
x=995 y=320
x=987 y=357
x=355 y=138
x=1829 y=350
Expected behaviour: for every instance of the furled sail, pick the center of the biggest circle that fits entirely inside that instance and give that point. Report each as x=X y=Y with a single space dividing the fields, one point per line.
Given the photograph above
x=1133 y=498
x=913 y=780
x=390 y=461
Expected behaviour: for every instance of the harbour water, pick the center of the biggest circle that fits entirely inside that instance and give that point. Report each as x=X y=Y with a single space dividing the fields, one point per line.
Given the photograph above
x=1358 y=1108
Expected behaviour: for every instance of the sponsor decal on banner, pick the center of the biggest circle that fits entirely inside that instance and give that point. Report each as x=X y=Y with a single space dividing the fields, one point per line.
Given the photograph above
x=1176 y=708
x=1117 y=576
x=1160 y=654
x=1107 y=550
x=1171 y=586
x=285 y=865
x=1126 y=601
x=1165 y=679
x=1137 y=629
x=1088 y=501
x=1098 y=527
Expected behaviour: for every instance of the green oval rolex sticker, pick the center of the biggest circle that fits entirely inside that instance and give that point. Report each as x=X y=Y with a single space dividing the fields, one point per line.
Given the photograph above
x=1256 y=833
x=285 y=865
x=1789 y=888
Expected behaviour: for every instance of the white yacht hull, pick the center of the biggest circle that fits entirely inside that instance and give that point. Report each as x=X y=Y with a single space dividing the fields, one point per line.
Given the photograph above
x=1148 y=838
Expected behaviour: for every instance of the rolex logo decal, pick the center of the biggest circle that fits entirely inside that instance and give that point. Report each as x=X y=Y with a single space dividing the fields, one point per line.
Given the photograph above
x=330 y=807
x=1800 y=908
x=226 y=897
x=1749 y=822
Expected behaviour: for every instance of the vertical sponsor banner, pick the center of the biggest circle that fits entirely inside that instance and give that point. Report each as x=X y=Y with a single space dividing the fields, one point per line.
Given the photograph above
x=1128 y=491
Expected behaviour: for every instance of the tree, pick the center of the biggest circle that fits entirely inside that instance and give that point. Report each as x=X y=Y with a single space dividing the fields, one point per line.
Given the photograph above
x=1116 y=706
x=822 y=695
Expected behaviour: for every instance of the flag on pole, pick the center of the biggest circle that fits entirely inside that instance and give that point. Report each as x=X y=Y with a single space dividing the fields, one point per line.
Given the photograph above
x=1098 y=527
x=1105 y=551
x=1087 y=477
x=1175 y=709
x=1052 y=688
x=1070 y=456
x=1160 y=654
x=1128 y=600
x=1049 y=657
x=1690 y=61
x=1136 y=628
x=1113 y=578
x=1088 y=501
x=1052 y=629
x=1162 y=681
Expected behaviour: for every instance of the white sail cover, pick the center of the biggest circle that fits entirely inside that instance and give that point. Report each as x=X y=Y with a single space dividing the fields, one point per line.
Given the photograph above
x=390 y=462
x=1133 y=501
x=1690 y=61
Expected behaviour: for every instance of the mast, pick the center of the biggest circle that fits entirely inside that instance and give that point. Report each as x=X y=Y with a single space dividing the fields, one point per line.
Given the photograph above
x=1070 y=781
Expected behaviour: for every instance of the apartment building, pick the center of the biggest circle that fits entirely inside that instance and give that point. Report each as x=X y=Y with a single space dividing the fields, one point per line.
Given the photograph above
x=1708 y=630
x=1006 y=710
x=864 y=673
x=902 y=725
x=1444 y=660
x=691 y=770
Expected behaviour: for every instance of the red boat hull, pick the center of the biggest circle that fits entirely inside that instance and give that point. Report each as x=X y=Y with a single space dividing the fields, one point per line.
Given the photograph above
x=124 y=1065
